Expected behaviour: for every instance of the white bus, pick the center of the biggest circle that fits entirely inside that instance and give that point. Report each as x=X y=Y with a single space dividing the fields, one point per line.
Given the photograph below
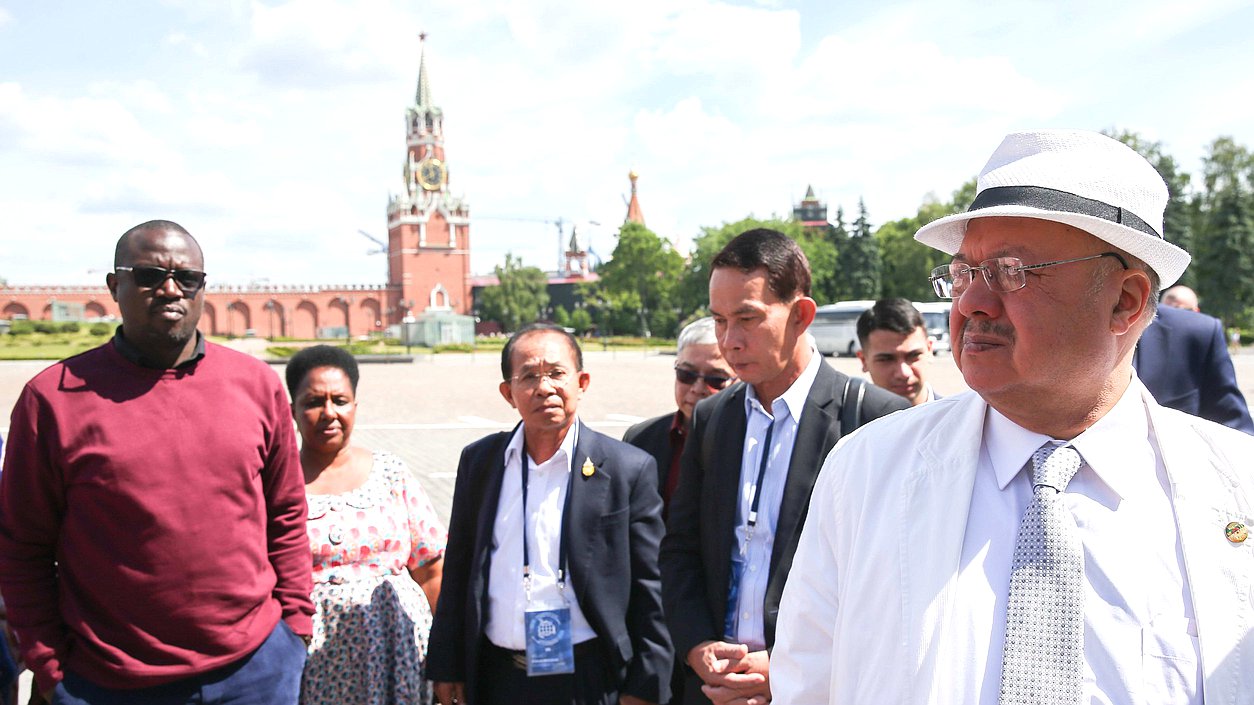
x=936 y=321
x=835 y=327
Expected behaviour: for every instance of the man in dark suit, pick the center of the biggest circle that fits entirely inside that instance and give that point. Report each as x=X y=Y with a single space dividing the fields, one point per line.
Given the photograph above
x=700 y=371
x=1183 y=360
x=551 y=564
x=748 y=466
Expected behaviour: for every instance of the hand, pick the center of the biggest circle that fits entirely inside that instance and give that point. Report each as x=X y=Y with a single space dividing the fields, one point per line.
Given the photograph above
x=632 y=700
x=747 y=682
x=450 y=693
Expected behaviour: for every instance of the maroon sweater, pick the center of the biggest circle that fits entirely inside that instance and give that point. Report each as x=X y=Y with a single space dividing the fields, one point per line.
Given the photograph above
x=152 y=522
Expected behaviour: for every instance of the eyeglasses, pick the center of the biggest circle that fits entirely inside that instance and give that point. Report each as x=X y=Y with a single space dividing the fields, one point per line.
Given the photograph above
x=1002 y=274
x=189 y=281
x=531 y=379
x=715 y=382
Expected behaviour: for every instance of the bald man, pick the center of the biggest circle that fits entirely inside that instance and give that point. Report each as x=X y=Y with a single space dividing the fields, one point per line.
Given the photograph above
x=152 y=507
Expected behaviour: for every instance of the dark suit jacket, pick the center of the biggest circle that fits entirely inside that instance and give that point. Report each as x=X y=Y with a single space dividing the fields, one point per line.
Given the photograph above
x=696 y=553
x=1183 y=360
x=615 y=527
x=653 y=436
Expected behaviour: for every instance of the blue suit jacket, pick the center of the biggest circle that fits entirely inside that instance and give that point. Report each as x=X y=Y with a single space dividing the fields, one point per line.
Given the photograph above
x=616 y=526
x=1183 y=360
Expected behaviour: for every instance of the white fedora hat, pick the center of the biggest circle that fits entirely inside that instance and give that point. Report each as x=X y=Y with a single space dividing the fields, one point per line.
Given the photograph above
x=1080 y=178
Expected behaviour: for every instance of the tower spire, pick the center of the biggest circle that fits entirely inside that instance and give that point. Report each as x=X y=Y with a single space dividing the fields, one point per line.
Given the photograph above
x=634 y=213
x=422 y=97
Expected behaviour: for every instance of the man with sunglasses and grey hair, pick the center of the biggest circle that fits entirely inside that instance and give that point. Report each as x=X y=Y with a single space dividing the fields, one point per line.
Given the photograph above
x=152 y=507
x=1055 y=535
x=700 y=371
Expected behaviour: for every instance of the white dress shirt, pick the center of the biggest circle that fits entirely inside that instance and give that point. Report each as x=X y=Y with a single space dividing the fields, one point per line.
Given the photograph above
x=1140 y=638
x=546 y=496
x=785 y=413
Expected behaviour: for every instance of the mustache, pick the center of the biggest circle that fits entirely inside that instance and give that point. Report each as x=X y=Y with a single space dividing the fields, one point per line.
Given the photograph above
x=995 y=329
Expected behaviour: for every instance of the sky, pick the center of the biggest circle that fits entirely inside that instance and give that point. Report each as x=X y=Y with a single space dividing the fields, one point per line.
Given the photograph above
x=274 y=131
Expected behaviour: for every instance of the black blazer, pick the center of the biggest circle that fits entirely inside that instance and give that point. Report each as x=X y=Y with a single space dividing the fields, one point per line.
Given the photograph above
x=1183 y=361
x=653 y=436
x=616 y=526
x=696 y=553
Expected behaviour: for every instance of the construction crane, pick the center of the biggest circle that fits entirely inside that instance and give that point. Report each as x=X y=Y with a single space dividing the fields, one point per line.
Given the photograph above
x=382 y=246
x=559 y=221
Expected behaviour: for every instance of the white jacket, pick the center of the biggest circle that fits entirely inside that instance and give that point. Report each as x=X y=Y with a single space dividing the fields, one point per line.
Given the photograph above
x=865 y=609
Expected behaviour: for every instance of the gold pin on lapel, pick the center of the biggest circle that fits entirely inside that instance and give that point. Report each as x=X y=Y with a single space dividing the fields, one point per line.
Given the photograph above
x=1236 y=532
x=588 y=468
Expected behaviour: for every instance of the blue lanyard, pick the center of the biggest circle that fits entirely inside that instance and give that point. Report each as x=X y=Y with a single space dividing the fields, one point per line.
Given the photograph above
x=757 y=488
x=564 y=521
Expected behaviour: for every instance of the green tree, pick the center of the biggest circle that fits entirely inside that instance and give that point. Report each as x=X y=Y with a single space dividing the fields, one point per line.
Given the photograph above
x=905 y=262
x=519 y=298
x=694 y=288
x=1224 y=242
x=859 y=259
x=580 y=320
x=646 y=265
x=561 y=317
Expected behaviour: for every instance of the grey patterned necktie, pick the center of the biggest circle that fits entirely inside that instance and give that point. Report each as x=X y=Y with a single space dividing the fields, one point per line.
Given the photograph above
x=1043 y=658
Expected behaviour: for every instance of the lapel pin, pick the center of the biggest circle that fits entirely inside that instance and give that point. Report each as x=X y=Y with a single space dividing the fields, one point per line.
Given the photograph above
x=588 y=468
x=1236 y=532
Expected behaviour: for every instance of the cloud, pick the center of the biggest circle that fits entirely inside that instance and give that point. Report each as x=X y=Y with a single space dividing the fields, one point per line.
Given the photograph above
x=180 y=40
x=81 y=131
x=324 y=44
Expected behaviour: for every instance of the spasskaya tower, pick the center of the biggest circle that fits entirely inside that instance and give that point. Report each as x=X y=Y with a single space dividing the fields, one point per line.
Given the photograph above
x=428 y=227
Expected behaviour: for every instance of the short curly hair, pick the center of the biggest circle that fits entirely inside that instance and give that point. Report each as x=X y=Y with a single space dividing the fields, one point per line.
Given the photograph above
x=311 y=358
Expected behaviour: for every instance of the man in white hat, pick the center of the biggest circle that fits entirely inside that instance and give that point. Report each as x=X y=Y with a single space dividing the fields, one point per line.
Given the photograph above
x=1055 y=536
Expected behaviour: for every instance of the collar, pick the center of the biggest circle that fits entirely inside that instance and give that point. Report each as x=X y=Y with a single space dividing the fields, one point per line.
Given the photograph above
x=1104 y=445
x=794 y=398
x=133 y=354
x=679 y=424
x=566 y=449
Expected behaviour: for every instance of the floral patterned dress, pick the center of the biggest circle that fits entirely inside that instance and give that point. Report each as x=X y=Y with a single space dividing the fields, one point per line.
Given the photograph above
x=371 y=620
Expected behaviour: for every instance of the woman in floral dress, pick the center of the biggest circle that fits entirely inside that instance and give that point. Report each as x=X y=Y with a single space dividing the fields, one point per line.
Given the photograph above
x=377 y=545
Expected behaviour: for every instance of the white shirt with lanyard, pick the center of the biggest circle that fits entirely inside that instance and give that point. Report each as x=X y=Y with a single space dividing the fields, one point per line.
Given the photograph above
x=768 y=446
x=543 y=587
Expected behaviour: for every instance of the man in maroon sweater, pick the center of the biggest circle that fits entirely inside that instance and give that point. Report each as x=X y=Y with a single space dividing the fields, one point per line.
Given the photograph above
x=152 y=507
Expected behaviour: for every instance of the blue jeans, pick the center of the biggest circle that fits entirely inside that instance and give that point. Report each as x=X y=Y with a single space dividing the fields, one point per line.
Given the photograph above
x=268 y=676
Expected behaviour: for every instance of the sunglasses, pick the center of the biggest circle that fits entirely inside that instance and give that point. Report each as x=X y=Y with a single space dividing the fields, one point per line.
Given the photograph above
x=686 y=376
x=188 y=281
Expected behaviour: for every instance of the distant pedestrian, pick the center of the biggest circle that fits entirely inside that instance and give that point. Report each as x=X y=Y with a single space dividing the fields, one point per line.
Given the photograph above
x=700 y=371
x=896 y=350
x=1181 y=296
x=152 y=514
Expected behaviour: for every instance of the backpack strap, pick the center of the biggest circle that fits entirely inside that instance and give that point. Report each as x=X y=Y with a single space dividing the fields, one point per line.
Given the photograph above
x=851 y=405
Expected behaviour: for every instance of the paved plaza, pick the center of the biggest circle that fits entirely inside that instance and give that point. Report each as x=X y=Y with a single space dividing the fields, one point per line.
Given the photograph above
x=427 y=411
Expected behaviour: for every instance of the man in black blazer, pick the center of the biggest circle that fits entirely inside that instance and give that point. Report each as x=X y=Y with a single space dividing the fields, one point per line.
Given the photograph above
x=1183 y=361
x=749 y=464
x=700 y=371
x=557 y=488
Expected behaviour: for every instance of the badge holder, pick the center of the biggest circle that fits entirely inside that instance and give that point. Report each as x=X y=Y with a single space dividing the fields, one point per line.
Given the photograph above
x=549 y=647
x=550 y=650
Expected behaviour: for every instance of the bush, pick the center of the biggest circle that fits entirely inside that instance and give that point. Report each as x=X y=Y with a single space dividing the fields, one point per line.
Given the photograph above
x=69 y=327
x=100 y=329
x=44 y=326
x=454 y=347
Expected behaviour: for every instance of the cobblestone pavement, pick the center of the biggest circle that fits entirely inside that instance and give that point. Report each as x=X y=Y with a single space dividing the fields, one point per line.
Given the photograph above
x=427 y=411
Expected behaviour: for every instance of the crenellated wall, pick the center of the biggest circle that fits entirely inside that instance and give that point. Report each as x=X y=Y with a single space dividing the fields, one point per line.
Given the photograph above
x=269 y=311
